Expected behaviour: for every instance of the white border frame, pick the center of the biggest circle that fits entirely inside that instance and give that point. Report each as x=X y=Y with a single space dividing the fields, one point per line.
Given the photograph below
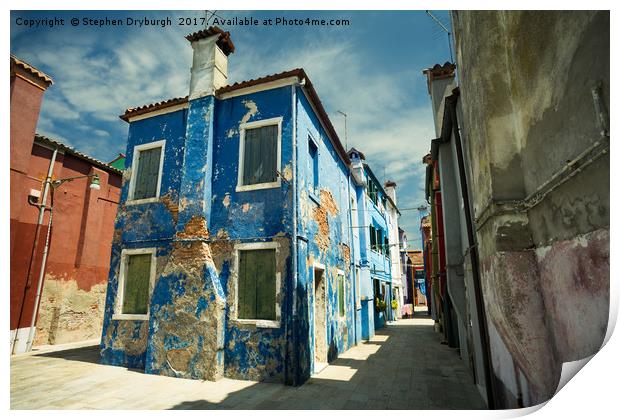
x=134 y=171
x=259 y=323
x=257 y=124
x=120 y=291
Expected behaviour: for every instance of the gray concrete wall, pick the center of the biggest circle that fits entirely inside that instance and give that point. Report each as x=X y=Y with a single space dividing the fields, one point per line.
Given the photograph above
x=529 y=120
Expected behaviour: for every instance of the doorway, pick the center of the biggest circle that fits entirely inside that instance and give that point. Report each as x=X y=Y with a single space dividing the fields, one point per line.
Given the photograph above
x=320 y=321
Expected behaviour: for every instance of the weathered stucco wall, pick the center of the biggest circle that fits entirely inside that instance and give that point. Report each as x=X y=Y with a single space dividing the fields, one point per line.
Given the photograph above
x=252 y=352
x=530 y=118
x=124 y=342
x=73 y=294
x=324 y=225
x=193 y=330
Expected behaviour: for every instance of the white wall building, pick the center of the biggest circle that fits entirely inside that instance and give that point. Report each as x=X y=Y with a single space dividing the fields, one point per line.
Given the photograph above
x=394 y=243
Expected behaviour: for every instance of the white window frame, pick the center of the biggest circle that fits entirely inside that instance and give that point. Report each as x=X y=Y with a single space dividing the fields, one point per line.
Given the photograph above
x=134 y=171
x=259 y=323
x=118 y=305
x=340 y=272
x=257 y=124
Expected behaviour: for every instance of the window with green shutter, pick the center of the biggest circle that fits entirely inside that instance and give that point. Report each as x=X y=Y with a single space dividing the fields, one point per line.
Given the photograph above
x=136 y=284
x=147 y=175
x=256 y=287
x=341 y=294
x=260 y=155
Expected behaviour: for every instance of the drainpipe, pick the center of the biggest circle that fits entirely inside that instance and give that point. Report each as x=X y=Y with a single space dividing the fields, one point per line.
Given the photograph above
x=482 y=320
x=352 y=253
x=295 y=274
x=37 y=234
x=37 y=299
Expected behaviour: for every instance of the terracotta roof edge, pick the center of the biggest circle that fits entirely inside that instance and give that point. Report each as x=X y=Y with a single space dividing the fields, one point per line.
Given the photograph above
x=32 y=70
x=74 y=152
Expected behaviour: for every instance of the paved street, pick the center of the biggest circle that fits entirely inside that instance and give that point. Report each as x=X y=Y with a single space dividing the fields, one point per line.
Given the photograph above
x=402 y=367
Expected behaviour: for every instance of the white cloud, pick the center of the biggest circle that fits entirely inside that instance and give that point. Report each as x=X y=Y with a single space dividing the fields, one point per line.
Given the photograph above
x=97 y=77
x=382 y=122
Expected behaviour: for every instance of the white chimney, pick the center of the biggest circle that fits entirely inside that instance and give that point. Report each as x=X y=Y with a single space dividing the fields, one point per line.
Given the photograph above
x=440 y=80
x=390 y=189
x=209 y=70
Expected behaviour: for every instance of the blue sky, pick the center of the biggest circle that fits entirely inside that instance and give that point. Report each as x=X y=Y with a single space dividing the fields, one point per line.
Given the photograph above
x=371 y=70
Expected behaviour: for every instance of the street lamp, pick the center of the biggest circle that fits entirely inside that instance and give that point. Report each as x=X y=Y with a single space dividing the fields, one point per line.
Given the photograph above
x=51 y=186
x=94 y=182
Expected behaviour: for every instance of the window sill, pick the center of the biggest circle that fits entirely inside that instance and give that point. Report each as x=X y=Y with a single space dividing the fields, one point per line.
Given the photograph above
x=142 y=201
x=130 y=317
x=266 y=185
x=259 y=323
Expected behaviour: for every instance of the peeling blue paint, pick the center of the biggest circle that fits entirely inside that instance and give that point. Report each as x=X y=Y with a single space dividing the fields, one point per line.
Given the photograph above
x=192 y=331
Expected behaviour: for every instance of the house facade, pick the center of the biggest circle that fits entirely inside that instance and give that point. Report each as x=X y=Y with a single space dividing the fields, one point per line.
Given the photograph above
x=523 y=262
x=373 y=227
x=393 y=250
x=236 y=252
x=68 y=305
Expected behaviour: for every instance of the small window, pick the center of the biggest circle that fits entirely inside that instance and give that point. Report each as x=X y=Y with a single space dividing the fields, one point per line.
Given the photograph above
x=257 y=284
x=313 y=162
x=386 y=246
x=373 y=191
x=147 y=167
x=137 y=274
x=259 y=155
x=341 y=297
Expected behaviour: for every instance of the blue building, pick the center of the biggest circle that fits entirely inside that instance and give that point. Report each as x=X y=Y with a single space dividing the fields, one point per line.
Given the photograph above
x=372 y=260
x=233 y=245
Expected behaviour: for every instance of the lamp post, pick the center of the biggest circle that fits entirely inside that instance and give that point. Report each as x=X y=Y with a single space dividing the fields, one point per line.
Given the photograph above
x=52 y=185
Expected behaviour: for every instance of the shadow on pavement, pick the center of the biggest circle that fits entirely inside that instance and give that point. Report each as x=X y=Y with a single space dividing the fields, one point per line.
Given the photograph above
x=89 y=354
x=404 y=368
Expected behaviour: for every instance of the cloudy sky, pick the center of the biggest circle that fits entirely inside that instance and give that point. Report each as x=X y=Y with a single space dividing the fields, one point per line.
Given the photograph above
x=371 y=70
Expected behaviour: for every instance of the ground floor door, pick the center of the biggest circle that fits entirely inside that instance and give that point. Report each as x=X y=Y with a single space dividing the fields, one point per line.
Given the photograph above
x=320 y=320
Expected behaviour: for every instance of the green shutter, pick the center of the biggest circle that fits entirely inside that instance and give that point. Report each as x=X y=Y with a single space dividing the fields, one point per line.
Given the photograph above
x=260 y=155
x=266 y=285
x=247 y=285
x=136 y=293
x=341 y=295
x=257 y=284
x=148 y=173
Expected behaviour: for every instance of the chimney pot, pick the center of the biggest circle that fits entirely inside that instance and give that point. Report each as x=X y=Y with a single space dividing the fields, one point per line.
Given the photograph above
x=209 y=70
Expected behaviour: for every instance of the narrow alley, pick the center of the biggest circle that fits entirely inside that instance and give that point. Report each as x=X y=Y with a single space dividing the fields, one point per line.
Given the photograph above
x=403 y=367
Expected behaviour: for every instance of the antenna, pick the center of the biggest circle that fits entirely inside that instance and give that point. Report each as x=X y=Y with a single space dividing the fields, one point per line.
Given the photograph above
x=442 y=26
x=209 y=14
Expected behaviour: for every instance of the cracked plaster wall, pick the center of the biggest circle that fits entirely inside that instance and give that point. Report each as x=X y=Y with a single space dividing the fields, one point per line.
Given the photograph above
x=527 y=111
x=195 y=226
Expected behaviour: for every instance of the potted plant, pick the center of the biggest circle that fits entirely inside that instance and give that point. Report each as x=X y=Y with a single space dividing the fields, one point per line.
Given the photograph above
x=380 y=305
x=394 y=304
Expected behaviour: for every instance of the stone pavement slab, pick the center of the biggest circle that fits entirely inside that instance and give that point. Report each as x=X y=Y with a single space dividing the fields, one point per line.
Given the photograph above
x=402 y=367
